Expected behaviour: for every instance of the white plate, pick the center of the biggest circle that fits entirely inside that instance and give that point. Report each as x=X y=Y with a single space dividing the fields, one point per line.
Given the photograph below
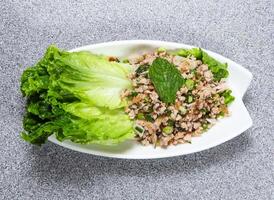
x=225 y=129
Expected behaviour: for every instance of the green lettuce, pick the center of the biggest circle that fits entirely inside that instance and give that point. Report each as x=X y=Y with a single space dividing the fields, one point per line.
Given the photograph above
x=76 y=96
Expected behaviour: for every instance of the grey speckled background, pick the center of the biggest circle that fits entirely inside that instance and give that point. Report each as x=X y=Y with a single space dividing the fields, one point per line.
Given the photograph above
x=239 y=169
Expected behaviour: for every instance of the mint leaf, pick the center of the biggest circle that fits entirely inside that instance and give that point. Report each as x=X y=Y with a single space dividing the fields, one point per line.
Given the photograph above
x=166 y=79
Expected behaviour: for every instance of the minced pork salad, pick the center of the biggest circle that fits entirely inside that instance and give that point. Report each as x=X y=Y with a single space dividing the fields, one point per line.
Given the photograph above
x=160 y=97
x=176 y=96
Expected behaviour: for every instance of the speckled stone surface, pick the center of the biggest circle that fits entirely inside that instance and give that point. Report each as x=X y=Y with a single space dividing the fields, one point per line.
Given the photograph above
x=242 y=168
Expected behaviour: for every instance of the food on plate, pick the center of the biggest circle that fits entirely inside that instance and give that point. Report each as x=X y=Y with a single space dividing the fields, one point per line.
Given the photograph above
x=160 y=97
x=176 y=96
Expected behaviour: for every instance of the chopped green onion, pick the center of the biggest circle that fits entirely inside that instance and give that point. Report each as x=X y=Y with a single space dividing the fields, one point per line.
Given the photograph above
x=189 y=99
x=228 y=97
x=126 y=61
x=170 y=122
x=205 y=126
x=161 y=49
x=150 y=109
x=204 y=111
x=182 y=110
x=221 y=114
x=193 y=71
x=168 y=129
x=142 y=68
x=140 y=116
x=133 y=94
x=189 y=84
x=182 y=52
x=139 y=129
x=168 y=112
x=149 y=118
x=146 y=99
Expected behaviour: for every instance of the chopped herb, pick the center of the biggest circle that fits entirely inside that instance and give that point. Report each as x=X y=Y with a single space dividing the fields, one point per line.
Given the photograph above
x=204 y=111
x=228 y=97
x=183 y=110
x=189 y=99
x=125 y=61
x=161 y=49
x=193 y=71
x=157 y=143
x=140 y=116
x=149 y=118
x=205 y=126
x=139 y=129
x=189 y=84
x=168 y=129
x=218 y=69
x=221 y=114
x=180 y=129
x=196 y=52
x=150 y=109
x=142 y=69
x=133 y=94
x=146 y=99
x=168 y=112
x=170 y=122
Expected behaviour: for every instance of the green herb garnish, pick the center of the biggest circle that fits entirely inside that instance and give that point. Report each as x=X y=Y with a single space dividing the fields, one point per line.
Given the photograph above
x=218 y=69
x=161 y=49
x=142 y=69
x=149 y=117
x=221 y=114
x=189 y=84
x=166 y=79
x=228 y=97
x=183 y=110
x=205 y=126
x=140 y=116
x=204 y=111
x=139 y=129
x=168 y=112
x=168 y=129
x=170 y=122
x=189 y=99
x=196 y=52
x=133 y=94
x=125 y=61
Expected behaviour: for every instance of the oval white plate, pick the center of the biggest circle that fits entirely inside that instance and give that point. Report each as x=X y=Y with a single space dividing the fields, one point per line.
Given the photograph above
x=225 y=129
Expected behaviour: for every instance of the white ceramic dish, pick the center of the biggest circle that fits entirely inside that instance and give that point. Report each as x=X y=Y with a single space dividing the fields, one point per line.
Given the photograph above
x=225 y=129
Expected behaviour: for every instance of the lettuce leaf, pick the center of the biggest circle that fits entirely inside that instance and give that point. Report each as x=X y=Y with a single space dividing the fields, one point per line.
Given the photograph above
x=76 y=96
x=91 y=78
